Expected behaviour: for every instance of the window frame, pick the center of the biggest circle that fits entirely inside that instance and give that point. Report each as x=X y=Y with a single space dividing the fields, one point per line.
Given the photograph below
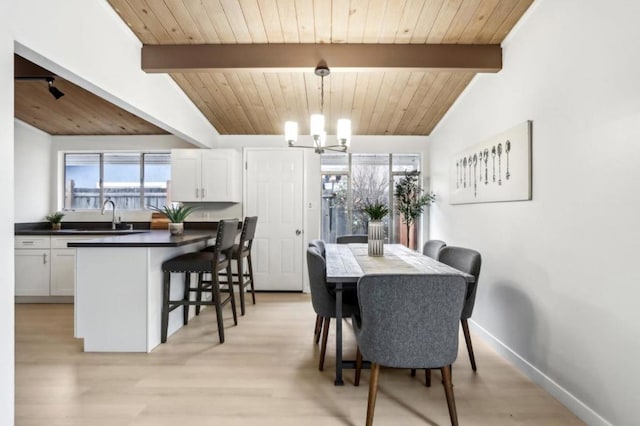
x=101 y=191
x=392 y=175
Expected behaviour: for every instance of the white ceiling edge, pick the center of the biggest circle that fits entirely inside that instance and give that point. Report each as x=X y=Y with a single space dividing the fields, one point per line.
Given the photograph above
x=88 y=44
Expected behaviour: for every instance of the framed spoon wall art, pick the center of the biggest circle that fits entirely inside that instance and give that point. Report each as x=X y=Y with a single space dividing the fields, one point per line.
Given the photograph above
x=498 y=169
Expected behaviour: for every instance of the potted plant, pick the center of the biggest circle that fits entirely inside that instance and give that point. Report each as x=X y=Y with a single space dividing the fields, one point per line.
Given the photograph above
x=376 y=212
x=176 y=213
x=55 y=218
x=410 y=199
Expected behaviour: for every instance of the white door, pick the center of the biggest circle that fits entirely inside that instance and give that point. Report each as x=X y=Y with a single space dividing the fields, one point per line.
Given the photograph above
x=274 y=193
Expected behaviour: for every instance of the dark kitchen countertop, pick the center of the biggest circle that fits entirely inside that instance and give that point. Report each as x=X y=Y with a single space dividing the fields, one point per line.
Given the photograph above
x=79 y=228
x=81 y=231
x=160 y=238
x=140 y=236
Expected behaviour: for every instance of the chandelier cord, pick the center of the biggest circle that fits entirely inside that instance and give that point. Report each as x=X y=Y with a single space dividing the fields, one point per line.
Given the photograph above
x=322 y=94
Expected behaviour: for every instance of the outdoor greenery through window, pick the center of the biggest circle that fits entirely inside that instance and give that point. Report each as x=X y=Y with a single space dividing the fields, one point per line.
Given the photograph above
x=132 y=181
x=351 y=180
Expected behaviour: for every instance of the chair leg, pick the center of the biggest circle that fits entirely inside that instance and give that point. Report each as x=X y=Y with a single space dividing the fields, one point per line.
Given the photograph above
x=373 y=391
x=215 y=287
x=250 y=269
x=185 y=307
x=413 y=372
x=323 y=347
x=467 y=339
x=232 y=294
x=356 y=381
x=318 y=329
x=240 y=263
x=427 y=377
x=166 y=282
x=199 y=292
x=448 y=390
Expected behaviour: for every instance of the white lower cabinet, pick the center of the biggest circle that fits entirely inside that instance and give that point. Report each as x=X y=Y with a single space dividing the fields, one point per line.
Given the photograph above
x=63 y=271
x=32 y=272
x=45 y=266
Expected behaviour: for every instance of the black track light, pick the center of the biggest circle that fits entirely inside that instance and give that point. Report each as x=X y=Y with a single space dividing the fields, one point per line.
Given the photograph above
x=54 y=90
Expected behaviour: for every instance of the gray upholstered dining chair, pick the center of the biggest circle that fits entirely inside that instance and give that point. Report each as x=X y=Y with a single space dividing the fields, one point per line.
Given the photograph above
x=352 y=239
x=319 y=244
x=324 y=303
x=469 y=261
x=432 y=248
x=408 y=321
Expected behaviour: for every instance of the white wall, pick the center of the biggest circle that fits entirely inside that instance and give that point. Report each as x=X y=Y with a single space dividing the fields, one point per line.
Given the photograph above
x=558 y=286
x=6 y=221
x=118 y=143
x=32 y=163
x=88 y=44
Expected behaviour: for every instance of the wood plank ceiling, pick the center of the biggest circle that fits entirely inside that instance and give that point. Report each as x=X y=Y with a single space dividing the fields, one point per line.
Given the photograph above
x=78 y=112
x=379 y=102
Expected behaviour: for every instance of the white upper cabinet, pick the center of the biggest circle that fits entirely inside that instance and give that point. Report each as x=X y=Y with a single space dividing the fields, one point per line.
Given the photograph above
x=205 y=175
x=186 y=175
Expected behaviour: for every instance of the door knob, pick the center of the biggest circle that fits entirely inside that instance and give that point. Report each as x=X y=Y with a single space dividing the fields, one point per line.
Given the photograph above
x=298 y=232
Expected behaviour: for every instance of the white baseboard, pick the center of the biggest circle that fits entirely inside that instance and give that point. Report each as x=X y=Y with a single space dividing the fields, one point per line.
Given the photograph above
x=579 y=408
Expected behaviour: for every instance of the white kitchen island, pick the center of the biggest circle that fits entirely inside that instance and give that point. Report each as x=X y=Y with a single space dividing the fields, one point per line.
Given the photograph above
x=118 y=294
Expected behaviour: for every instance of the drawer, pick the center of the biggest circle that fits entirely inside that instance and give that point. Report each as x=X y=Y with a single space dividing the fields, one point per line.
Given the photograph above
x=61 y=242
x=35 y=242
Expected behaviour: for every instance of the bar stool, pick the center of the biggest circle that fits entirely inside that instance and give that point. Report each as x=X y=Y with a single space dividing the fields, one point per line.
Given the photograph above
x=239 y=252
x=212 y=262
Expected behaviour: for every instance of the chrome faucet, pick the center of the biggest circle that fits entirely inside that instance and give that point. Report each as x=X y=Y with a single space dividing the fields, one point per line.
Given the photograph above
x=113 y=219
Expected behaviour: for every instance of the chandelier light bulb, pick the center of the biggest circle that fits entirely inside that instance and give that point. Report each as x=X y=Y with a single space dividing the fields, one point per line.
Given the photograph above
x=344 y=131
x=291 y=132
x=317 y=125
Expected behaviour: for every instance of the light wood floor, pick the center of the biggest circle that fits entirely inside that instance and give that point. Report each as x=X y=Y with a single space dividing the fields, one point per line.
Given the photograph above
x=265 y=374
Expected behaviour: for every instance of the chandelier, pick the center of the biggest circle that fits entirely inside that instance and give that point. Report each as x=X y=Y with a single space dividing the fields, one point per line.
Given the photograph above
x=319 y=135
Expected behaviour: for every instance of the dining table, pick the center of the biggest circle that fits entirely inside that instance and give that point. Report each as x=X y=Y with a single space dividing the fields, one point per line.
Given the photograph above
x=346 y=263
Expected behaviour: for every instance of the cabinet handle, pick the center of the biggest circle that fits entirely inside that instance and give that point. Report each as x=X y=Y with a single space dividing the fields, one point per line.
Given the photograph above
x=27 y=243
x=202 y=192
x=197 y=193
x=44 y=259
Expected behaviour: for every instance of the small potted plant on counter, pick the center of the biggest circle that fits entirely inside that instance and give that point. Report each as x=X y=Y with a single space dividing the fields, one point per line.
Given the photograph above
x=176 y=213
x=376 y=212
x=55 y=219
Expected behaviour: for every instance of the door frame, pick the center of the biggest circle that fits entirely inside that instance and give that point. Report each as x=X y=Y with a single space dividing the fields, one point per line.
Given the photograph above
x=305 y=202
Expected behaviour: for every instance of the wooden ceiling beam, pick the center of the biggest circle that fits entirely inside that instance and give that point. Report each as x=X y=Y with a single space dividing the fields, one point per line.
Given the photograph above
x=305 y=57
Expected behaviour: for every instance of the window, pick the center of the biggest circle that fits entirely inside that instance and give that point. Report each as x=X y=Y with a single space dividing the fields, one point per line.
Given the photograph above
x=351 y=180
x=132 y=180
